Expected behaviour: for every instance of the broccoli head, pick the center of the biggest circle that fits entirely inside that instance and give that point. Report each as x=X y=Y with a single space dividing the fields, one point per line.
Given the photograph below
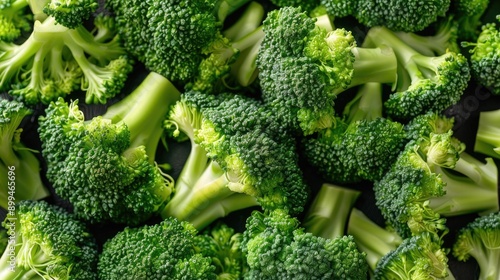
x=485 y=56
x=15 y=18
x=49 y=243
x=397 y=15
x=276 y=247
x=19 y=164
x=168 y=250
x=480 y=239
x=105 y=166
x=70 y=13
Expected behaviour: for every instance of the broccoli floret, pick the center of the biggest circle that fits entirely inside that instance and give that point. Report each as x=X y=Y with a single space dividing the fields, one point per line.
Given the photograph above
x=167 y=250
x=223 y=244
x=329 y=212
x=191 y=50
x=55 y=61
x=480 y=239
x=240 y=157
x=434 y=178
x=70 y=13
x=372 y=239
x=15 y=18
x=397 y=15
x=419 y=257
x=362 y=144
x=106 y=166
x=304 y=66
x=487 y=136
x=19 y=164
x=485 y=56
x=306 y=5
x=425 y=83
x=276 y=247
x=48 y=243
x=468 y=14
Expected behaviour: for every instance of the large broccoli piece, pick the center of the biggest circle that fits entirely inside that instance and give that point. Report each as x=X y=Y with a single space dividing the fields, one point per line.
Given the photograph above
x=106 y=166
x=425 y=83
x=49 y=243
x=191 y=50
x=488 y=134
x=485 y=58
x=276 y=247
x=240 y=157
x=168 y=250
x=361 y=145
x=434 y=178
x=19 y=165
x=55 y=60
x=303 y=66
x=15 y=18
x=398 y=15
x=419 y=257
x=480 y=239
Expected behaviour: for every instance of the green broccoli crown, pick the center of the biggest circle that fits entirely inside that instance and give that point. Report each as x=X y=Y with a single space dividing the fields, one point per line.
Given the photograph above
x=479 y=240
x=306 y=5
x=15 y=18
x=170 y=246
x=428 y=123
x=485 y=57
x=427 y=83
x=50 y=243
x=396 y=15
x=277 y=248
x=223 y=245
x=70 y=13
x=418 y=257
x=55 y=61
x=360 y=150
x=106 y=168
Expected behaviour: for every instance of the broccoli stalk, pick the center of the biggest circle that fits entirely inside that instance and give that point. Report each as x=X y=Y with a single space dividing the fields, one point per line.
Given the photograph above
x=19 y=164
x=425 y=83
x=329 y=212
x=471 y=187
x=488 y=132
x=372 y=239
x=479 y=239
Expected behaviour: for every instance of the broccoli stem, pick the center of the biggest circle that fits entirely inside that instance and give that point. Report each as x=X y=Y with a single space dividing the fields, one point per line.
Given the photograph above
x=471 y=187
x=371 y=238
x=144 y=110
x=224 y=8
x=487 y=139
x=366 y=105
x=250 y=19
x=329 y=212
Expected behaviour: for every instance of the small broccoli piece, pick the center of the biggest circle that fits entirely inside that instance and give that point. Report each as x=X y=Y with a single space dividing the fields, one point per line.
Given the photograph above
x=223 y=245
x=306 y=5
x=329 y=212
x=70 y=13
x=487 y=135
x=479 y=239
x=19 y=164
x=55 y=61
x=276 y=247
x=191 y=50
x=418 y=257
x=362 y=145
x=425 y=83
x=15 y=18
x=49 y=243
x=434 y=178
x=372 y=239
x=468 y=14
x=397 y=15
x=486 y=56
x=105 y=166
x=231 y=137
x=303 y=67
x=168 y=250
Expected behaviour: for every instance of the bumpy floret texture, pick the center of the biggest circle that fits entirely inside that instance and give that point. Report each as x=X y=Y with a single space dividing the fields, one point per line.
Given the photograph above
x=70 y=13
x=15 y=18
x=168 y=251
